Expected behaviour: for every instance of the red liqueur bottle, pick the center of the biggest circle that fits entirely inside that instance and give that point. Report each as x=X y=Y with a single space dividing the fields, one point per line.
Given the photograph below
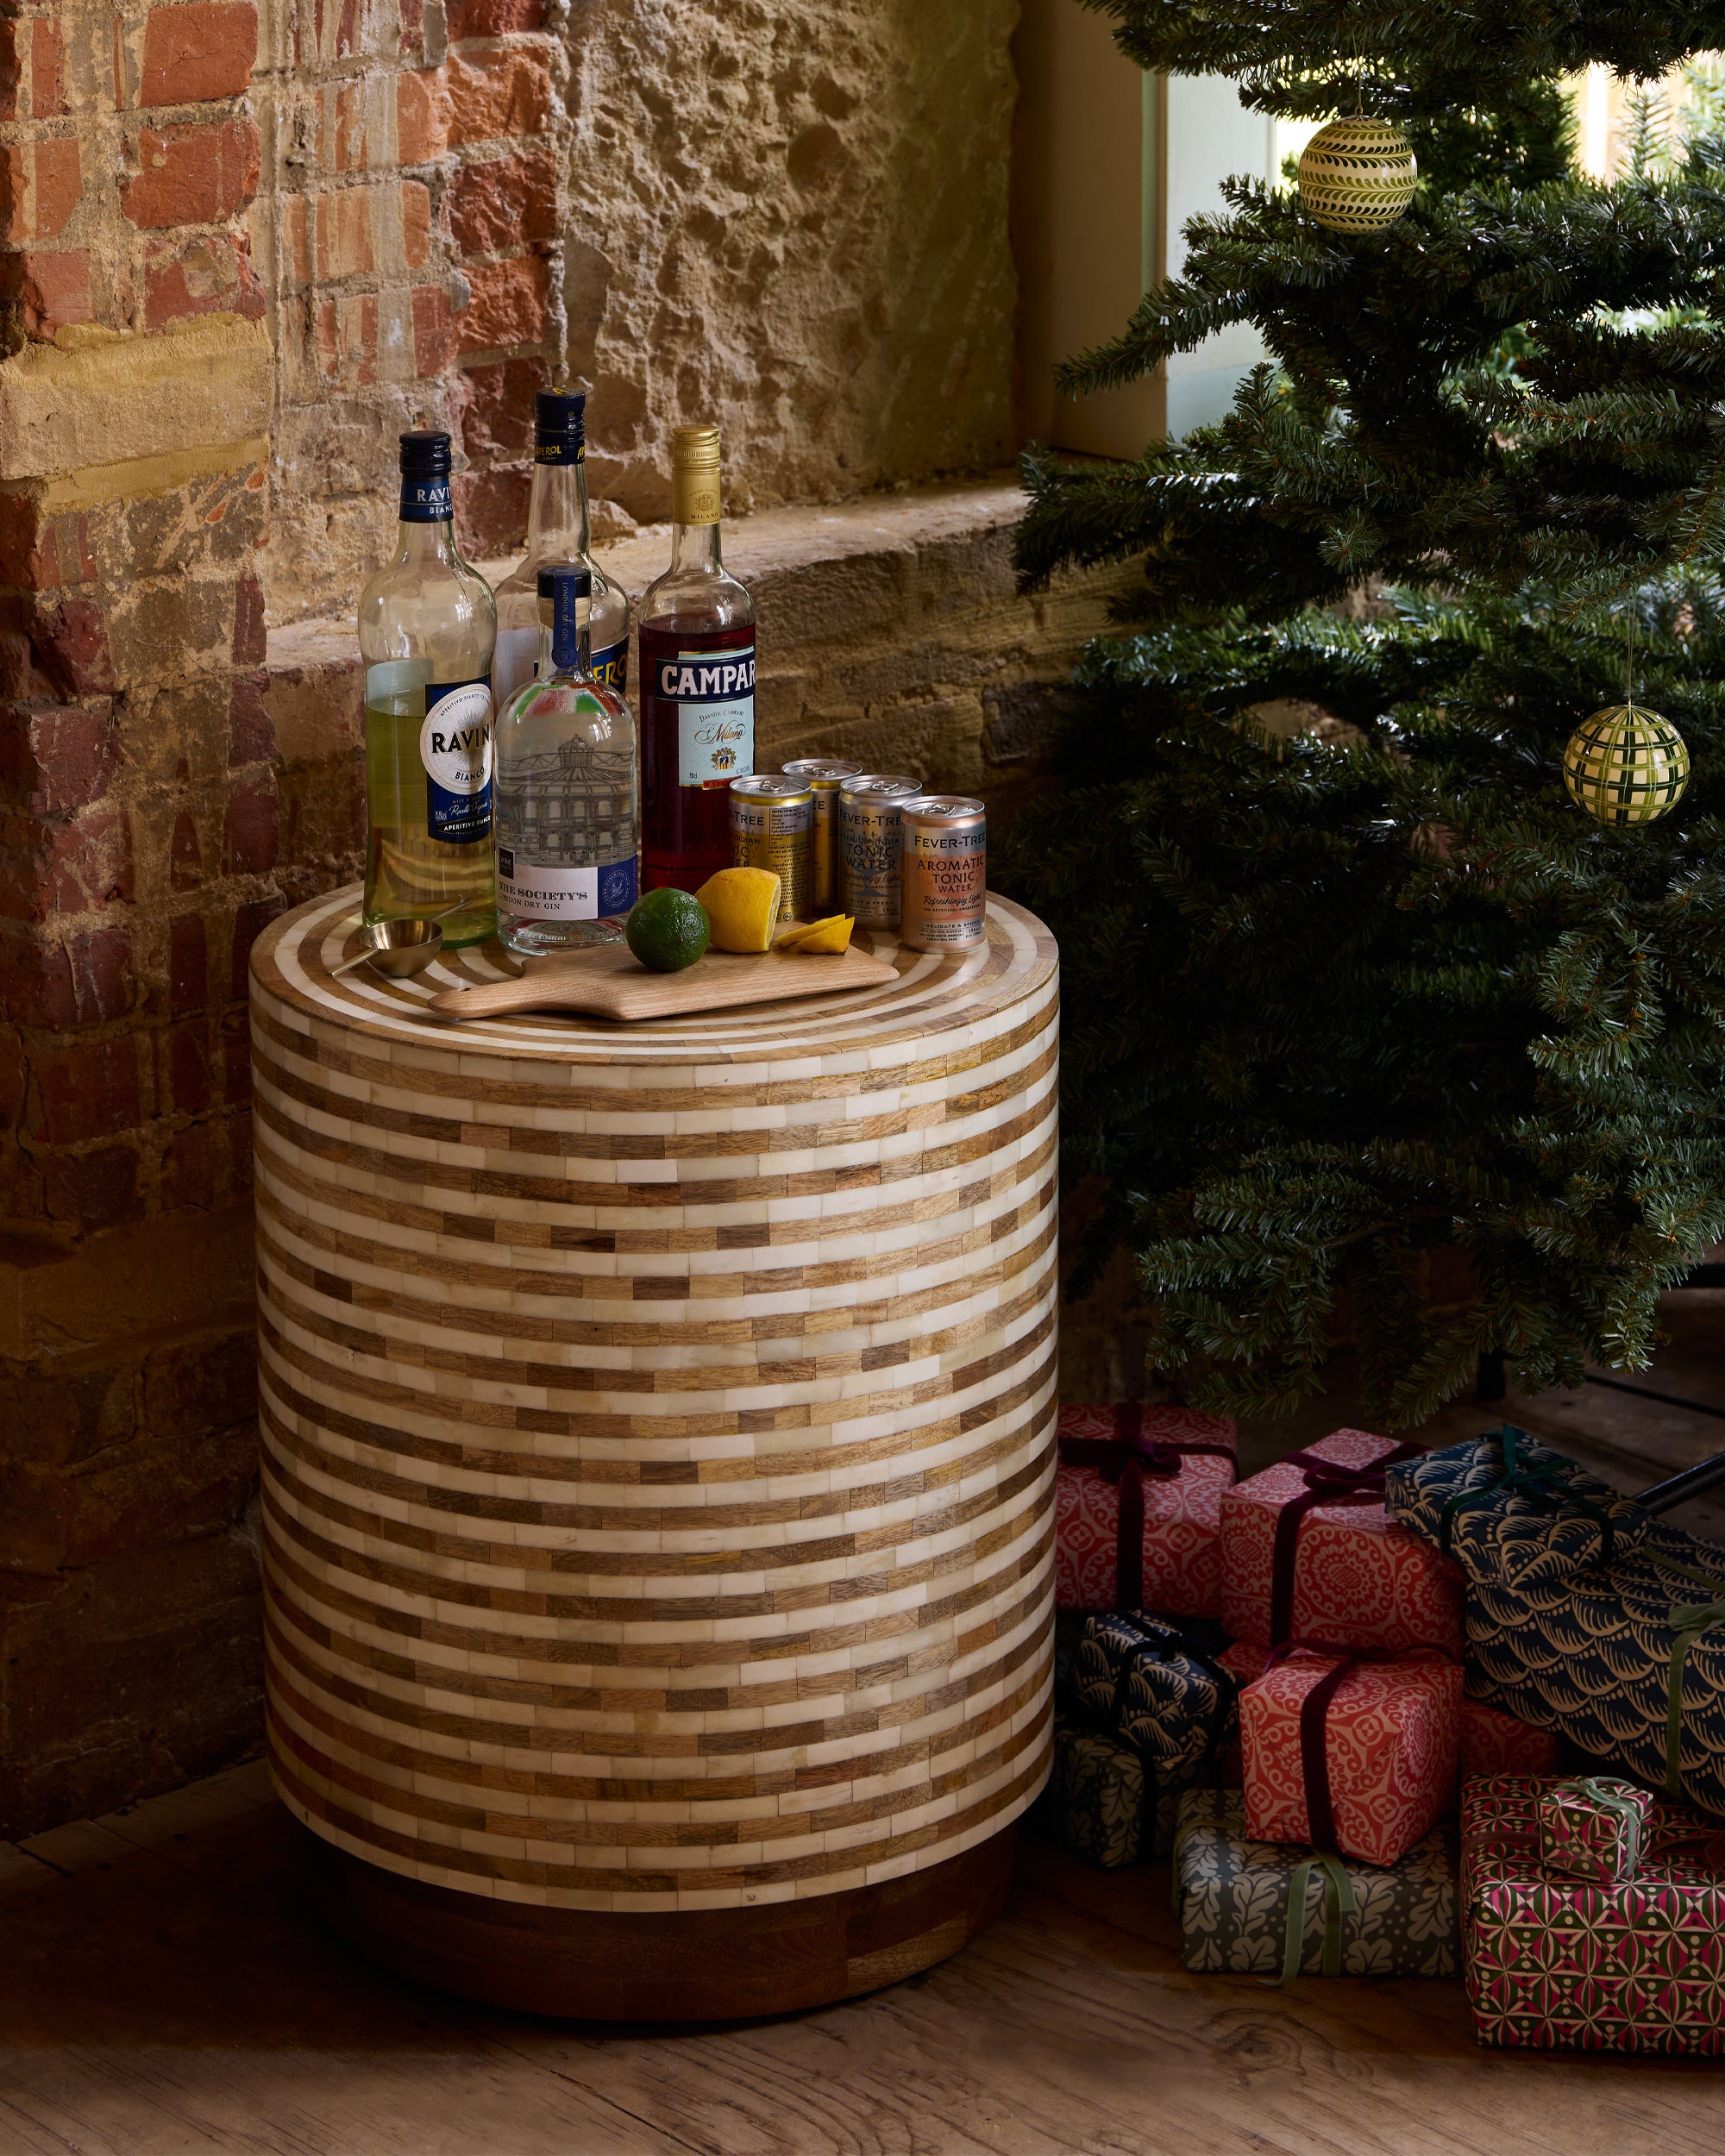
x=697 y=627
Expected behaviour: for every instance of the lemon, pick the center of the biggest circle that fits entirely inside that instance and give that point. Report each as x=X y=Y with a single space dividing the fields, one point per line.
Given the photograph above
x=833 y=934
x=742 y=906
x=666 y=931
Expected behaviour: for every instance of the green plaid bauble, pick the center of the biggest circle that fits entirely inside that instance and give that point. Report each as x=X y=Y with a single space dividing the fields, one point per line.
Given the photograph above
x=1358 y=175
x=1626 y=765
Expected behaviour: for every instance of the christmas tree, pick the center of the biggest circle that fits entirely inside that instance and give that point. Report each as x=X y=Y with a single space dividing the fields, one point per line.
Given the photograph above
x=1368 y=1025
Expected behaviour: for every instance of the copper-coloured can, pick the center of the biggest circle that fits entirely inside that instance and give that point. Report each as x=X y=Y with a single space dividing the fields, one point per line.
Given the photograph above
x=944 y=842
x=824 y=777
x=772 y=826
x=870 y=845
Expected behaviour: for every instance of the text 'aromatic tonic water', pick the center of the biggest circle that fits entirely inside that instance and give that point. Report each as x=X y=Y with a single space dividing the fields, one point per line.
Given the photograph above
x=824 y=776
x=566 y=802
x=557 y=531
x=427 y=625
x=943 y=863
x=870 y=845
x=697 y=683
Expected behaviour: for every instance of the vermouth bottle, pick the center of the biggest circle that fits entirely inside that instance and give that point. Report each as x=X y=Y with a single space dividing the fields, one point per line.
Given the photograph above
x=557 y=531
x=697 y=683
x=427 y=625
x=566 y=796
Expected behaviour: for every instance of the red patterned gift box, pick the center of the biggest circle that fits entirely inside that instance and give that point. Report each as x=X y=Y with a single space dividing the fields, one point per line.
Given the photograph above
x=1493 y=1742
x=1563 y=1963
x=1592 y=1826
x=1136 y=1509
x=1357 y=1758
x=1309 y=1553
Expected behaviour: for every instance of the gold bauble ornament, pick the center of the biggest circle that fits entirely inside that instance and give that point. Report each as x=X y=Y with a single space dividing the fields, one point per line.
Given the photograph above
x=1358 y=175
x=1626 y=765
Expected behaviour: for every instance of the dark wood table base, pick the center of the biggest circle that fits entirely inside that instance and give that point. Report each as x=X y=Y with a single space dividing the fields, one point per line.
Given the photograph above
x=703 y=1965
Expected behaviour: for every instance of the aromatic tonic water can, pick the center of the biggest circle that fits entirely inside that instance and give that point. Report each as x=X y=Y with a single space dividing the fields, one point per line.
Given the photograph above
x=945 y=873
x=825 y=778
x=772 y=826
x=868 y=809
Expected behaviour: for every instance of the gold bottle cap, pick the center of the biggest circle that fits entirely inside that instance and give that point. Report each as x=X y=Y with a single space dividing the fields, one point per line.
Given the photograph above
x=694 y=475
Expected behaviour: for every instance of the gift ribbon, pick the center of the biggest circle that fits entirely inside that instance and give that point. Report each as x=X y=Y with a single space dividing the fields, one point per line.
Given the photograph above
x=1688 y=1622
x=1125 y=1459
x=1314 y=1714
x=1610 y=1797
x=1338 y=1901
x=1328 y=1483
x=1227 y=1684
x=1539 y=1485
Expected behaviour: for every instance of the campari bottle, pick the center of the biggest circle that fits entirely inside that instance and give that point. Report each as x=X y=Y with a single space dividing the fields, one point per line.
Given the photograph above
x=556 y=532
x=427 y=625
x=697 y=683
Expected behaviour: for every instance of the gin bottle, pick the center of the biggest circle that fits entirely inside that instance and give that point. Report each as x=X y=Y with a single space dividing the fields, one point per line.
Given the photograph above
x=566 y=825
x=557 y=531
x=697 y=683
x=427 y=625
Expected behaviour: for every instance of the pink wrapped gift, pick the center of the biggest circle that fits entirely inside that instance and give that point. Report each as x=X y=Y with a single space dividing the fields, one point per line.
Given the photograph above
x=1356 y=1759
x=1309 y=1553
x=1137 y=1508
x=1493 y=1742
x=1592 y=1827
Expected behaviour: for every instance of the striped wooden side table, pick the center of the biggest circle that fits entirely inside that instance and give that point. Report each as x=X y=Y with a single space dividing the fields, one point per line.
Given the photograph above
x=658 y=1469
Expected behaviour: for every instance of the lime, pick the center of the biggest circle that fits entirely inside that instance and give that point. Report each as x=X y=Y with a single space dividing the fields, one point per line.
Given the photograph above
x=667 y=929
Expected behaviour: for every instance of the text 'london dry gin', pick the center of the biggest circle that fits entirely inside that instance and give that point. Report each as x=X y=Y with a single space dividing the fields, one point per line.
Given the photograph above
x=566 y=801
x=426 y=626
x=697 y=683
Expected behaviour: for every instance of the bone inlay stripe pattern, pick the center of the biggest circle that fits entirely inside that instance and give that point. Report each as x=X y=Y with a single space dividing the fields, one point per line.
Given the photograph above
x=658 y=1426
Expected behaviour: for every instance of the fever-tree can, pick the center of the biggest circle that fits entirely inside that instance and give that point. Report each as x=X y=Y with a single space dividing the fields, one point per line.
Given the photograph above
x=772 y=826
x=869 y=807
x=824 y=777
x=945 y=873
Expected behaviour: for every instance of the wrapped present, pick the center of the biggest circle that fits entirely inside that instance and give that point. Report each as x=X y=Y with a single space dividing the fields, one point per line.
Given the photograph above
x=1101 y=1802
x=1591 y=1826
x=1161 y=1686
x=1563 y=1962
x=1357 y=1757
x=1512 y=1511
x=1495 y=1743
x=1626 y=1661
x=1246 y=1905
x=1309 y=1551
x=1137 y=1500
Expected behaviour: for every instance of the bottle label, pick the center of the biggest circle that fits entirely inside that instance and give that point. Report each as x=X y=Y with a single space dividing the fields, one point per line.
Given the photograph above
x=426 y=501
x=714 y=695
x=454 y=747
x=611 y=666
x=514 y=662
x=564 y=894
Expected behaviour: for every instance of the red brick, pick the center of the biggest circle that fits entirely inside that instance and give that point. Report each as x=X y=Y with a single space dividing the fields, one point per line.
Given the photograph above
x=188 y=963
x=39 y=212
x=98 y=1189
x=250 y=923
x=344 y=233
x=347 y=341
x=193 y=54
x=88 y=1089
x=416 y=224
x=30 y=553
x=71 y=641
x=209 y=275
x=508 y=304
x=251 y=734
x=52 y=762
x=237 y=1059
x=345 y=144
x=193 y=175
x=251 y=835
x=82 y=981
x=296 y=220
x=491 y=511
x=49 y=292
x=12 y=35
x=508 y=202
x=493 y=94
x=422 y=115
x=493 y=18
x=185 y=854
x=188 y=1086
x=251 y=638
x=433 y=330
x=496 y=413
x=47 y=69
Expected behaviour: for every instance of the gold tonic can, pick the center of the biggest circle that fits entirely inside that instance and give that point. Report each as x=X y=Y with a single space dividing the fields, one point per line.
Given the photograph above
x=868 y=809
x=824 y=777
x=772 y=826
x=945 y=838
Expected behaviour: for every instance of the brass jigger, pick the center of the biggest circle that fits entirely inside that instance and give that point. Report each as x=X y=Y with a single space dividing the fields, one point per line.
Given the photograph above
x=401 y=948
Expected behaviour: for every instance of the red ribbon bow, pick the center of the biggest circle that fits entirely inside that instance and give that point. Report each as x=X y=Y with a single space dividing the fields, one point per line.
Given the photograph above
x=1328 y=1483
x=1126 y=1458
x=1314 y=1716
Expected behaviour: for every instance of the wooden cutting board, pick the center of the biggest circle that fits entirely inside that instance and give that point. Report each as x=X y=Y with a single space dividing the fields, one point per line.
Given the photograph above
x=611 y=982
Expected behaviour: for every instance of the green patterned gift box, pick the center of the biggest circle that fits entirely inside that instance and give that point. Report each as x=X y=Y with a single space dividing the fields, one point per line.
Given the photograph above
x=1100 y=1802
x=1269 y=1909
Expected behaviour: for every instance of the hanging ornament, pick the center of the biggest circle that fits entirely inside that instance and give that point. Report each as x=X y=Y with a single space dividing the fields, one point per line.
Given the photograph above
x=1626 y=765
x=1358 y=175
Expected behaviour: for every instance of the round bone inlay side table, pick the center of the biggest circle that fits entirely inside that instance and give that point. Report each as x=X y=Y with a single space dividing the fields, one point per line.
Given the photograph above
x=658 y=1469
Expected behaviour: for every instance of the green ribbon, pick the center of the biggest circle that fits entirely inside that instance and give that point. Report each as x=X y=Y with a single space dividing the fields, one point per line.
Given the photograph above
x=1338 y=1901
x=1688 y=1621
x=1611 y=1798
x=1545 y=1485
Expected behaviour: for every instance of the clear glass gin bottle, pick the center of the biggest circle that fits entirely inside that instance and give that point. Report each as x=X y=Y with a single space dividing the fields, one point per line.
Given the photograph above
x=557 y=531
x=427 y=625
x=567 y=822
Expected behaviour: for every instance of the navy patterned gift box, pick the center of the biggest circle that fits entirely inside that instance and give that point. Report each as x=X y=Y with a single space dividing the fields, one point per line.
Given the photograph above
x=1159 y=1685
